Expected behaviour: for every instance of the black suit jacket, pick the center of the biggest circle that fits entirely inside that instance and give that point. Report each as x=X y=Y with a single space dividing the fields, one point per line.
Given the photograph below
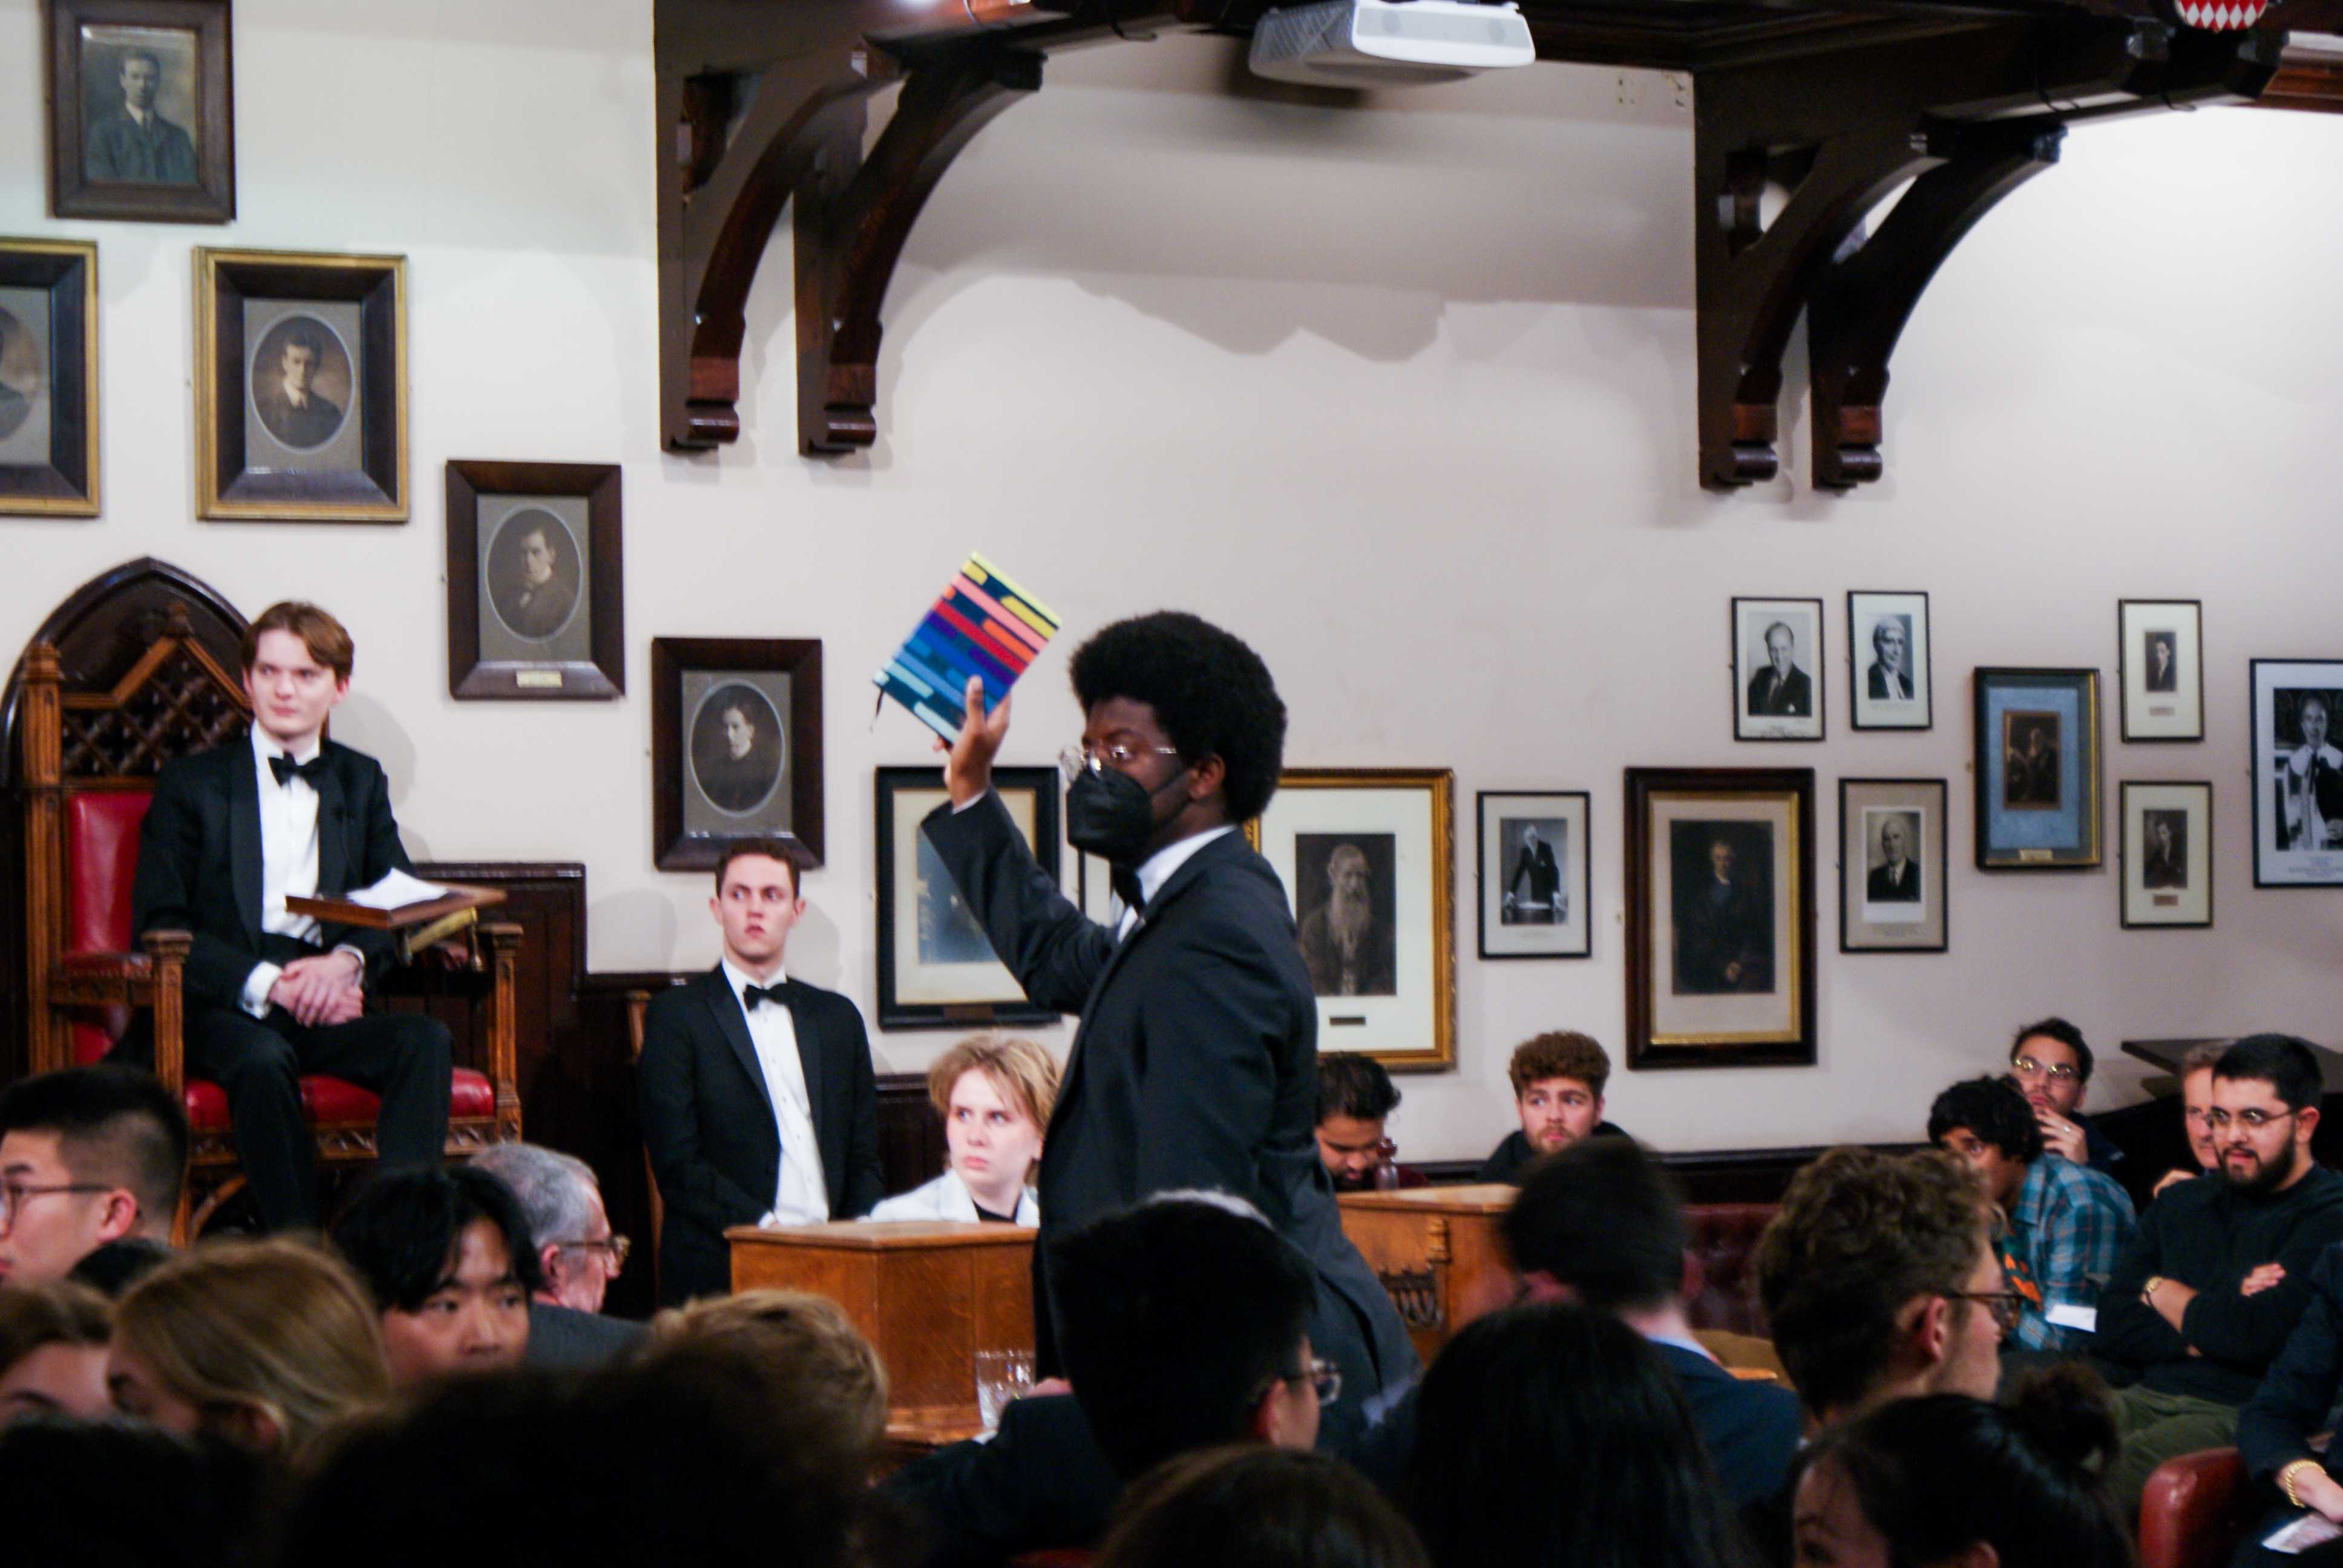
x=1791 y=694
x=199 y=861
x=1195 y=1064
x=569 y=1340
x=1876 y=682
x=1040 y=1481
x=1883 y=885
x=709 y=1125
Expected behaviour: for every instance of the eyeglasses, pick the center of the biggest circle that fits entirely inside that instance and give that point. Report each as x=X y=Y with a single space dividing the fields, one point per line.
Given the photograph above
x=13 y=1193
x=2253 y=1119
x=1322 y=1377
x=616 y=1246
x=2027 y=1066
x=1075 y=760
x=2004 y=1305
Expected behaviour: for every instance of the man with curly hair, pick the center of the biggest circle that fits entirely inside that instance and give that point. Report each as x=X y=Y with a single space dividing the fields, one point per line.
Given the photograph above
x=1558 y=1078
x=1195 y=1063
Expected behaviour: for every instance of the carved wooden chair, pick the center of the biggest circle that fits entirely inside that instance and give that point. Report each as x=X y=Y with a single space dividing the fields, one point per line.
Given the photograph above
x=88 y=756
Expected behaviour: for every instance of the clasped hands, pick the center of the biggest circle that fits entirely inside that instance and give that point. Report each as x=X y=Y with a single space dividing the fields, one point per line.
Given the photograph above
x=322 y=990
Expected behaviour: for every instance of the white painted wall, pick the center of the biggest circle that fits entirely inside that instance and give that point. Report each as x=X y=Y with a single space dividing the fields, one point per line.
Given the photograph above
x=1405 y=396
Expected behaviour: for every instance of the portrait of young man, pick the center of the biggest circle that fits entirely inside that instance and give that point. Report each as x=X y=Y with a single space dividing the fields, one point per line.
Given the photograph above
x=128 y=141
x=735 y=755
x=541 y=589
x=284 y=391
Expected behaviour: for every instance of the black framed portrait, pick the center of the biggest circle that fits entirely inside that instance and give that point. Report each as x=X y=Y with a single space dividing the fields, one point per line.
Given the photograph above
x=536 y=604
x=1531 y=867
x=48 y=378
x=2160 y=663
x=1891 y=664
x=936 y=967
x=2168 y=854
x=142 y=108
x=2297 y=772
x=1778 y=663
x=736 y=747
x=300 y=388
x=1892 y=860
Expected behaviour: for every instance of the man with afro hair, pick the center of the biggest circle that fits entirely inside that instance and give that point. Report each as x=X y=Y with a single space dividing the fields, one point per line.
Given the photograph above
x=1195 y=1062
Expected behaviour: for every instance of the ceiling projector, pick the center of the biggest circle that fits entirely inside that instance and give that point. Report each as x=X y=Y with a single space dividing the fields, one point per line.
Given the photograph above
x=1388 y=43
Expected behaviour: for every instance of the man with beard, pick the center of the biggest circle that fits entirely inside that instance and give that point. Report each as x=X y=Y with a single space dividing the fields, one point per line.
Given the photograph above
x=1558 y=1078
x=1355 y=1095
x=2050 y=1062
x=2203 y=1300
x=1348 y=952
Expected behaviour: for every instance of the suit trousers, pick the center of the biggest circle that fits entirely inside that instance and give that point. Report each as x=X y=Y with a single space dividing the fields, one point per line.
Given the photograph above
x=258 y=1062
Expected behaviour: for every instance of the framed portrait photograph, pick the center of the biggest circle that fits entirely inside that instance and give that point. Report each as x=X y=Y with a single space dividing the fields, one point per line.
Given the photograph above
x=2298 y=772
x=300 y=388
x=736 y=747
x=936 y=966
x=2160 y=664
x=48 y=378
x=1890 y=675
x=1777 y=660
x=535 y=602
x=1367 y=855
x=142 y=109
x=2037 y=769
x=1531 y=874
x=1720 y=916
x=1892 y=865
x=2168 y=854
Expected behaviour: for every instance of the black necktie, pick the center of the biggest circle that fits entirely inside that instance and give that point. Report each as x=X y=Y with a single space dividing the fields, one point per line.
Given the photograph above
x=286 y=769
x=751 y=995
x=1125 y=883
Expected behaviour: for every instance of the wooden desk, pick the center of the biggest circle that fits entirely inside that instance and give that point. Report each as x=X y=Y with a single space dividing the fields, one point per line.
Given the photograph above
x=1438 y=1254
x=928 y=1296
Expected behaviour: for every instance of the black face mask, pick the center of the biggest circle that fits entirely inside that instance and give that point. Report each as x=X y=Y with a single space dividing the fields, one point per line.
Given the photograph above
x=1111 y=815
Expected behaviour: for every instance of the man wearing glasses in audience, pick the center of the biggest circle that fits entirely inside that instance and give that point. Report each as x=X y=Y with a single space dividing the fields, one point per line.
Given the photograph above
x=577 y=1255
x=89 y=1156
x=2050 y=1062
x=2204 y=1298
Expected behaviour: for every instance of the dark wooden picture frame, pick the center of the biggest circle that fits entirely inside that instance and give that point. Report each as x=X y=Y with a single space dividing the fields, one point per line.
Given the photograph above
x=2001 y=823
x=62 y=482
x=2148 y=726
x=676 y=846
x=1654 y=1042
x=1919 y=653
x=1858 y=935
x=603 y=672
x=899 y=884
x=230 y=488
x=77 y=189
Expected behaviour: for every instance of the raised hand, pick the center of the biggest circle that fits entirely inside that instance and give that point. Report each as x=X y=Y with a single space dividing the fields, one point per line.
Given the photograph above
x=967 y=763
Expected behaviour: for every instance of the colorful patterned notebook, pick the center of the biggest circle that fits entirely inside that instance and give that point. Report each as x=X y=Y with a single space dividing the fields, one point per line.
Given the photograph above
x=984 y=626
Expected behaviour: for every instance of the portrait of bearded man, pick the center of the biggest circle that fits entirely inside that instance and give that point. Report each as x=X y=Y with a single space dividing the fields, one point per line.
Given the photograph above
x=1348 y=943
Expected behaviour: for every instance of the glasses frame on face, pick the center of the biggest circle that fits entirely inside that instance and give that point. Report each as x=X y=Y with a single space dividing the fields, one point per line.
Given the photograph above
x=1075 y=760
x=2253 y=1118
x=2059 y=1073
x=2006 y=1306
x=614 y=1247
x=13 y=1193
x=1322 y=1376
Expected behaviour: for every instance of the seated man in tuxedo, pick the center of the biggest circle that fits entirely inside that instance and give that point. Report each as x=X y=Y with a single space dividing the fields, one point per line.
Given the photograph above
x=235 y=831
x=758 y=1103
x=577 y=1254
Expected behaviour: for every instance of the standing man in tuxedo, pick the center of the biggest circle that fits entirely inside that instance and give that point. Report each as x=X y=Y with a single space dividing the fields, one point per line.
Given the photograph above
x=758 y=1103
x=271 y=995
x=1195 y=1062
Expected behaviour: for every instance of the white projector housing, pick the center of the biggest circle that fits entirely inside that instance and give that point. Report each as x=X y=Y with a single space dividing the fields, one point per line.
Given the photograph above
x=1388 y=43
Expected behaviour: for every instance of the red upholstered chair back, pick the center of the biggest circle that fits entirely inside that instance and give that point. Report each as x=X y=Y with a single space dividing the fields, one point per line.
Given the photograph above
x=1722 y=1236
x=101 y=834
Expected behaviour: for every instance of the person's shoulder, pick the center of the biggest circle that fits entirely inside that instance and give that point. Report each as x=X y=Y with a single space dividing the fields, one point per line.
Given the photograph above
x=922 y=1203
x=2322 y=1192
x=352 y=761
x=214 y=762
x=2084 y=1185
x=828 y=1003
x=668 y=1006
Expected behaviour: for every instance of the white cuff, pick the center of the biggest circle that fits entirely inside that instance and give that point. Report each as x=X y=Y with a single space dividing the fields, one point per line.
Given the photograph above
x=257 y=987
x=971 y=800
x=345 y=948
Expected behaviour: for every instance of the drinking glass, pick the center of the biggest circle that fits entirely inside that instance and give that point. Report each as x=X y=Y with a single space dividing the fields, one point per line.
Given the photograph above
x=1000 y=1376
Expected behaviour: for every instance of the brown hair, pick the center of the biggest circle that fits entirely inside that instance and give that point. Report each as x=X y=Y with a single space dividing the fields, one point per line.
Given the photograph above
x=809 y=1349
x=1024 y=1073
x=780 y=849
x=278 y=1326
x=1562 y=1053
x=53 y=1313
x=328 y=639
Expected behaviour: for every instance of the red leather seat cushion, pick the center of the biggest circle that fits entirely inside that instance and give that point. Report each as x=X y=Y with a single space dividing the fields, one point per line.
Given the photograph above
x=101 y=857
x=470 y=1094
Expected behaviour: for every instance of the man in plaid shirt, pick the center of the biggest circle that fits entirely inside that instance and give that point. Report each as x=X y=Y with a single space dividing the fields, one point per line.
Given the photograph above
x=2067 y=1222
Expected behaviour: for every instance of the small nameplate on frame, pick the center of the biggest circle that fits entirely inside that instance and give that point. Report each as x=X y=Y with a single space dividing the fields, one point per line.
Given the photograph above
x=2161 y=709
x=538 y=679
x=2035 y=857
x=2165 y=901
x=968 y=1012
x=1354 y=1021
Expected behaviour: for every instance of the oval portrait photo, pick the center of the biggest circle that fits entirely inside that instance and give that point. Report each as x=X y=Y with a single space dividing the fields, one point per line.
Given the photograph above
x=533 y=574
x=300 y=379
x=20 y=373
x=736 y=748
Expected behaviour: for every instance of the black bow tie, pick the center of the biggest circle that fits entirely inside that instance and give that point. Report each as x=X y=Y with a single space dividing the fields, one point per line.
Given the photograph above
x=753 y=996
x=286 y=769
x=1125 y=883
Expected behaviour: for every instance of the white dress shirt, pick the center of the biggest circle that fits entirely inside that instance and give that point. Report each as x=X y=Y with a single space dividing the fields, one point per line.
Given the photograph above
x=800 y=1195
x=289 y=859
x=1157 y=868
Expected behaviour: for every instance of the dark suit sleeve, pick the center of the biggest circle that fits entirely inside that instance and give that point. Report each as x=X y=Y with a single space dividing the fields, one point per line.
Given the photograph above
x=865 y=1182
x=2301 y=1384
x=380 y=853
x=1210 y=1081
x=164 y=894
x=2129 y=1330
x=1034 y=928
x=1041 y=1482
x=670 y=1083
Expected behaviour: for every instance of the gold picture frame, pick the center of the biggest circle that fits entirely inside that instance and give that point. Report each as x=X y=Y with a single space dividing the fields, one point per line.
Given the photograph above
x=48 y=378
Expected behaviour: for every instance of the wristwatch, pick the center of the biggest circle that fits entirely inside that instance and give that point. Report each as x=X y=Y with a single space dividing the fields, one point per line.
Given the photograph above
x=2147 y=1291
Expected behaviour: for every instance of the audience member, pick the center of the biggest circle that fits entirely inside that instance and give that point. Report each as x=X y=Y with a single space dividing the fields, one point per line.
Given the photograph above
x=263 y=1343
x=995 y=1097
x=1952 y=1479
x=2196 y=1115
x=112 y=1269
x=87 y=1155
x=2202 y=1301
x=2067 y=1222
x=1879 y=1282
x=1558 y=1080
x=811 y=1349
x=2281 y=1430
x=53 y=1352
x=1355 y=1094
x=112 y=1494
x=577 y=1254
x=1185 y=1324
x=1551 y=1437
x=448 y=1257
x=1252 y=1507
x=2051 y=1063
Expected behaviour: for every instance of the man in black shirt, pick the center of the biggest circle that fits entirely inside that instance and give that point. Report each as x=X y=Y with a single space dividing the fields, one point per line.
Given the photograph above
x=1558 y=1080
x=2204 y=1298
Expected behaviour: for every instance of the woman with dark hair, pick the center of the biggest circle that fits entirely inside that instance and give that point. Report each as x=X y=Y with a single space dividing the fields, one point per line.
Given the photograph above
x=1949 y=1480
x=1253 y=1506
x=1551 y=1434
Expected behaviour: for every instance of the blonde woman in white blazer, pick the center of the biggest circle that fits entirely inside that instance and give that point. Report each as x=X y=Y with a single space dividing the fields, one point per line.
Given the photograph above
x=995 y=1097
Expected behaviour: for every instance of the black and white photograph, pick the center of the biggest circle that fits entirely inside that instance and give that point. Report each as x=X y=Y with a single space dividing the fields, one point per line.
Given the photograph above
x=2030 y=779
x=2168 y=854
x=1533 y=874
x=303 y=382
x=736 y=747
x=24 y=374
x=2036 y=768
x=1367 y=857
x=1777 y=652
x=140 y=110
x=1889 y=676
x=2160 y=655
x=1345 y=887
x=1892 y=860
x=534 y=571
x=48 y=378
x=1722 y=908
x=2297 y=773
x=936 y=969
x=535 y=609
x=139 y=90
x=739 y=751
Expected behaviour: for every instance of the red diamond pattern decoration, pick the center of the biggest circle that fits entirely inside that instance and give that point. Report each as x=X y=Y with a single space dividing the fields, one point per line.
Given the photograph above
x=2221 y=15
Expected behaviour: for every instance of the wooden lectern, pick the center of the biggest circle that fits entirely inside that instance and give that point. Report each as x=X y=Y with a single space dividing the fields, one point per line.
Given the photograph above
x=1438 y=1254
x=927 y=1296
